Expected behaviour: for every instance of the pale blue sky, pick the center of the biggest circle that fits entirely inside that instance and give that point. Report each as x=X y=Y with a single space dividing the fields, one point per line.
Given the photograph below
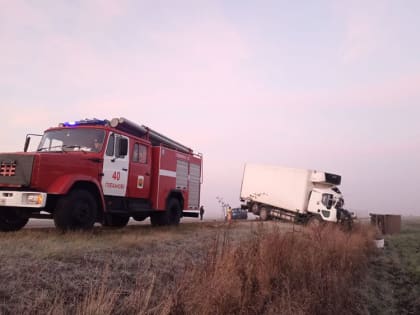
x=328 y=85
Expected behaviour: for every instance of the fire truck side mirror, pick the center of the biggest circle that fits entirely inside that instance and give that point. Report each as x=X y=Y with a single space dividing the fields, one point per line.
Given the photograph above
x=122 y=147
x=27 y=141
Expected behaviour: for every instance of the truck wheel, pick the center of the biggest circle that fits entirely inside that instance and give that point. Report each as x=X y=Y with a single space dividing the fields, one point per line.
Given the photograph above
x=174 y=211
x=75 y=211
x=171 y=216
x=263 y=214
x=115 y=220
x=254 y=208
x=11 y=220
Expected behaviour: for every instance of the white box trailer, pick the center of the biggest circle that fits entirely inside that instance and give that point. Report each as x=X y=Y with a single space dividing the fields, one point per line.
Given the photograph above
x=277 y=186
x=302 y=195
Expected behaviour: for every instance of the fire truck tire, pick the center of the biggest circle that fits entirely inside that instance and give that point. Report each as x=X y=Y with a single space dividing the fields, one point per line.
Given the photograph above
x=174 y=211
x=11 y=220
x=171 y=216
x=115 y=220
x=75 y=211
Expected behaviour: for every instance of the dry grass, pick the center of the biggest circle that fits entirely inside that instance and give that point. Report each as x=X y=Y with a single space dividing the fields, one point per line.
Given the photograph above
x=309 y=272
x=211 y=268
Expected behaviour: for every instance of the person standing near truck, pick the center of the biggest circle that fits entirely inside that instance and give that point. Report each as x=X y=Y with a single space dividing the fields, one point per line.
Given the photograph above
x=229 y=214
x=201 y=213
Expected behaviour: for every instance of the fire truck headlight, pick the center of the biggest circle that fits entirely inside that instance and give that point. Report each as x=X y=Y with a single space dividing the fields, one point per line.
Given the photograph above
x=33 y=198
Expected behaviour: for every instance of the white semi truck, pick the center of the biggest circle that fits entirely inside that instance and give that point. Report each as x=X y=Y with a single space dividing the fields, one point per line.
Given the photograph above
x=299 y=195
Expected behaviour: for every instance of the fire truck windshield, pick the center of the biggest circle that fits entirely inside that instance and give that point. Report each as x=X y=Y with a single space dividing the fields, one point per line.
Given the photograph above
x=72 y=139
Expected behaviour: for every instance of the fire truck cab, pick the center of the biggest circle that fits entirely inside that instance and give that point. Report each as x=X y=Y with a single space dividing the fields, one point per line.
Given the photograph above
x=102 y=171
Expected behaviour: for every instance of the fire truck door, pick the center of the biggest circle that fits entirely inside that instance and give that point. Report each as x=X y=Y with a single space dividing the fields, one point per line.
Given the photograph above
x=116 y=163
x=139 y=174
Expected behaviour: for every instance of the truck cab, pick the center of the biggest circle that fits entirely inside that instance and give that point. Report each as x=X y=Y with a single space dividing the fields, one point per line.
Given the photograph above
x=326 y=202
x=325 y=198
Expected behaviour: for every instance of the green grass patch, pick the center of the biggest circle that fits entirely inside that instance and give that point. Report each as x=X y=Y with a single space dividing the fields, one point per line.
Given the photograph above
x=393 y=284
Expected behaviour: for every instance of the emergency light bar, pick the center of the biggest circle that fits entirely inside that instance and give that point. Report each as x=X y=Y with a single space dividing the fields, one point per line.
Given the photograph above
x=85 y=122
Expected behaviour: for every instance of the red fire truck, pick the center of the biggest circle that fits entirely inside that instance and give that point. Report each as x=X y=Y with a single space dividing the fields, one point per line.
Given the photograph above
x=100 y=171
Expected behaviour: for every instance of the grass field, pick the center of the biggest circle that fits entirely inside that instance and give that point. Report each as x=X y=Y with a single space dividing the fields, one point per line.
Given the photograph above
x=393 y=280
x=210 y=268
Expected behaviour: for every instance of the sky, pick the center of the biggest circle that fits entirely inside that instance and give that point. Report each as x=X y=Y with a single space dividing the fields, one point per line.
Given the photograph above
x=327 y=85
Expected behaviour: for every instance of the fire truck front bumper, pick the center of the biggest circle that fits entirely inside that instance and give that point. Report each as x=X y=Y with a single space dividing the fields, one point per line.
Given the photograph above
x=26 y=199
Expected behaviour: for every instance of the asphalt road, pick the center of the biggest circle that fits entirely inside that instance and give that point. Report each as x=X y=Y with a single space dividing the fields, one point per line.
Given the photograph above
x=49 y=223
x=45 y=223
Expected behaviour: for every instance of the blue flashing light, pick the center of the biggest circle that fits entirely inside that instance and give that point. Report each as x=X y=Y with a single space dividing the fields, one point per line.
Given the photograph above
x=68 y=124
x=85 y=122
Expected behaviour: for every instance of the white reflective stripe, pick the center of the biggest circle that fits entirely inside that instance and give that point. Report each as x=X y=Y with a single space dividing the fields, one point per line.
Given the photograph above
x=167 y=173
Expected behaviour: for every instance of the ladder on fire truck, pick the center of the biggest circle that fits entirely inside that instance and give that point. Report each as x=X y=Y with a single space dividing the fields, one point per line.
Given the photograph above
x=142 y=131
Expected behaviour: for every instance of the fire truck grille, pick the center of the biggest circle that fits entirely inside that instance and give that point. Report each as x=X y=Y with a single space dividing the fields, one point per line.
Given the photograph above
x=8 y=168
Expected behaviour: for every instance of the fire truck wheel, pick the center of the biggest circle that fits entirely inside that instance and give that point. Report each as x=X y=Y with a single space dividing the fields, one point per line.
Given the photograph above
x=263 y=214
x=174 y=212
x=171 y=216
x=75 y=211
x=115 y=220
x=11 y=220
